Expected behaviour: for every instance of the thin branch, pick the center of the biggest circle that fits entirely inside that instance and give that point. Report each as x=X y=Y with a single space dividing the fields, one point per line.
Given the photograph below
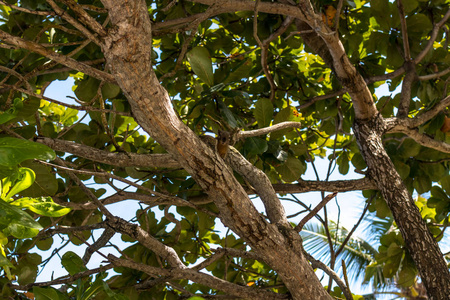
x=84 y=17
x=266 y=130
x=313 y=100
x=434 y=75
x=64 y=279
x=64 y=15
x=387 y=76
x=87 y=191
x=314 y=211
x=320 y=265
x=337 y=16
x=29 y=11
x=62 y=59
x=107 y=234
x=304 y=186
x=77 y=107
x=433 y=37
x=264 y=48
x=128 y=159
x=428 y=115
x=19 y=76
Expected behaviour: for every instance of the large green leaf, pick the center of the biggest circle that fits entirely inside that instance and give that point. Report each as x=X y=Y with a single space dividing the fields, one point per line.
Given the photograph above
x=13 y=151
x=263 y=112
x=45 y=293
x=10 y=186
x=72 y=263
x=201 y=64
x=16 y=222
x=291 y=169
x=43 y=206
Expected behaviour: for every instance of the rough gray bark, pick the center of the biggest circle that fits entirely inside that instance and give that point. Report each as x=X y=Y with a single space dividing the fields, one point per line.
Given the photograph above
x=418 y=239
x=369 y=128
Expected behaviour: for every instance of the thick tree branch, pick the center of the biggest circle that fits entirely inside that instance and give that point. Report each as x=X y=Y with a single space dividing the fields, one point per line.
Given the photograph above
x=434 y=75
x=202 y=278
x=424 y=140
x=399 y=125
x=261 y=184
x=127 y=50
x=405 y=98
x=148 y=241
x=401 y=12
x=128 y=159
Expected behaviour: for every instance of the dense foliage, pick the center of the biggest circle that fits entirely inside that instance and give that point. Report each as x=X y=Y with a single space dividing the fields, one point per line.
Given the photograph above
x=234 y=66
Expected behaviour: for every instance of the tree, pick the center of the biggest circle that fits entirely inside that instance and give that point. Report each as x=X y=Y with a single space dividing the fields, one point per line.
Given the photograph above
x=286 y=80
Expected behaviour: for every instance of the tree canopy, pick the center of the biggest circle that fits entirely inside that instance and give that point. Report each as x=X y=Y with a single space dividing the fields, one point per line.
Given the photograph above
x=281 y=84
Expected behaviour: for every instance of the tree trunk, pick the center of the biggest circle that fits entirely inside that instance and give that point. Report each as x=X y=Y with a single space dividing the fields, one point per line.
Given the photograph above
x=418 y=239
x=127 y=50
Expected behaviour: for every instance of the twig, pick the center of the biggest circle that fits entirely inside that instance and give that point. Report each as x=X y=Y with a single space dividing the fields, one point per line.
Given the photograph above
x=84 y=17
x=62 y=59
x=433 y=37
x=63 y=280
x=63 y=14
x=29 y=11
x=314 y=211
x=320 y=265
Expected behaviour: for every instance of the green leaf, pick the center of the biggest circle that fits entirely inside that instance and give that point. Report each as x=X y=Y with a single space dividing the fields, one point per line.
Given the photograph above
x=72 y=263
x=402 y=169
x=445 y=183
x=45 y=184
x=6 y=116
x=87 y=89
x=291 y=170
x=201 y=64
x=17 y=222
x=418 y=23
x=110 y=90
x=43 y=206
x=358 y=161
x=48 y=293
x=263 y=112
x=255 y=145
x=422 y=184
x=407 y=276
x=343 y=163
x=24 y=179
x=14 y=151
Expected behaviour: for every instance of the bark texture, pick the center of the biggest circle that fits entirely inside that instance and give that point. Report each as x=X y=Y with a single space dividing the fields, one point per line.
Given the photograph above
x=418 y=239
x=127 y=49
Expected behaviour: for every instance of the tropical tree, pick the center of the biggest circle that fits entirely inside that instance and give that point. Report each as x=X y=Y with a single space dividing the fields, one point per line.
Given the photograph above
x=281 y=83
